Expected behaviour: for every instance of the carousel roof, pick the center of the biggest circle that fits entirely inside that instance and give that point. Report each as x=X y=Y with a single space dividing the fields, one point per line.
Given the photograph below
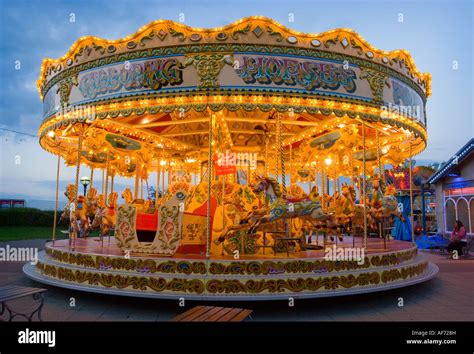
x=253 y=29
x=453 y=162
x=153 y=95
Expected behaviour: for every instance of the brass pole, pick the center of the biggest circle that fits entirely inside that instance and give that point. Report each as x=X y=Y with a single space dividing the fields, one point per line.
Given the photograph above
x=169 y=177
x=291 y=166
x=56 y=205
x=318 y=179
x=107 y=177
x=248 y=172
x=163 y=183
x=78 y=168
x=137 y=176
x=323 y=182
x=411 y=197
x=327 y=182
x=379 y=158
x=223 y=208
x=364 y=187
x=354 y=202
x=103 y=178
x=209 y=180
x=379 y=164
x=92 y=177
x=141 y=187
x=281 y=151
x=157 y=184
x=267 y=164
x=352 y=169
x=112 y=182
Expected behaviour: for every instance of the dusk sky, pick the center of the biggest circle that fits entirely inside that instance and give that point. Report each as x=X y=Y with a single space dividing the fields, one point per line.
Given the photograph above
x=438 y=34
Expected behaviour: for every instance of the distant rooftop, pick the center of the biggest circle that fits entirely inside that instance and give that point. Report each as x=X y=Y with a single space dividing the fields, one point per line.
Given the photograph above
x=453 y=162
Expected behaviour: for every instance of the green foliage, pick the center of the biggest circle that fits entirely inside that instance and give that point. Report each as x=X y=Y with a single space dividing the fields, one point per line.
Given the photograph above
x=14 y=233
x=27 y=217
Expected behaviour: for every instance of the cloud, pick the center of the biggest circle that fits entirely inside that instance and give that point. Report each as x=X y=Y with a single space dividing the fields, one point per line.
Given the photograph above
x=30 y=86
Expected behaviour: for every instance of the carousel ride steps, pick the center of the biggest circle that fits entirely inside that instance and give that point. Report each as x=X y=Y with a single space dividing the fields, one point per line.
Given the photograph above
x=116 y=275
x=44 y=259
x=431 y=271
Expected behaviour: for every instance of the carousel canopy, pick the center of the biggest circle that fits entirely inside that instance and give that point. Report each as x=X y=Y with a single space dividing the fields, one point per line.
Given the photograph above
x=151 y=97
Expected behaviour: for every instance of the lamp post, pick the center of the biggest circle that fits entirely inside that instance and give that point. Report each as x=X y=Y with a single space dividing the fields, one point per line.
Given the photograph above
x=424 y=187
x=85 y=182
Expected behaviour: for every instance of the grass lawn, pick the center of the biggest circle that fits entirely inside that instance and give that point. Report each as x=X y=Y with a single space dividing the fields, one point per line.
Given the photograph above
x=10 y=233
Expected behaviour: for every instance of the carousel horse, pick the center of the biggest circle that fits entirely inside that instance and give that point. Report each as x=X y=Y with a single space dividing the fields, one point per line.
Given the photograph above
x=341 y=207
x=331 y=202
x=328 y=204
x=69 y=211
x=240 y=218
x=346 y=202
x=82 y=219
x=281 y=207
x=105 y=215
x=351 y=214
x=147 y=206
x=110 y=216
x=314 y=193
x=91 y=203
x=236 y=224
x=384 y=203
x=295 y=191
x=128 y=199
x=382 y=206
x=97 y=222
x=127 y=196
x=390 y=203
x=375 y=204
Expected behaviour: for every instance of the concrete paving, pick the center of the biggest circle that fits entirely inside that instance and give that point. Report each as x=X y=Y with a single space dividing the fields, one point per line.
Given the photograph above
x=448 y=297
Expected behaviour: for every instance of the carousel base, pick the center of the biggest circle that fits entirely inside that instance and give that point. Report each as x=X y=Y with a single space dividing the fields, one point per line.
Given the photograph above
x=89 y=265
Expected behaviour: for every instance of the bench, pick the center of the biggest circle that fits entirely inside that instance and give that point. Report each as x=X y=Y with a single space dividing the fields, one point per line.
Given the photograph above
x=13 y=292
x=213 y=314
x=466 y=249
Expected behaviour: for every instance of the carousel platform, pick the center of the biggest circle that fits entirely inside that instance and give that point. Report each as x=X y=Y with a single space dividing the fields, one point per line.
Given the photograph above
x=89 y=265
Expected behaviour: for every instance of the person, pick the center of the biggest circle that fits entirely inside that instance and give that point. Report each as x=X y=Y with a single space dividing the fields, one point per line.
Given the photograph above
x=458 y=239
x=417 y=227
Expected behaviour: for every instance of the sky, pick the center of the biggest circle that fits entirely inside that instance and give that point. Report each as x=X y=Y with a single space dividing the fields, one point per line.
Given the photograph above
x=438 y=34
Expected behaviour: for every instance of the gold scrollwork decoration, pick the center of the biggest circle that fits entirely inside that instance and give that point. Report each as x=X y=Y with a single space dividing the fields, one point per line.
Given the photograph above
x=208 y=67
x=65 y=87
x=376 y=80
x=272 y=32
x=174 y=33
x=243 y=30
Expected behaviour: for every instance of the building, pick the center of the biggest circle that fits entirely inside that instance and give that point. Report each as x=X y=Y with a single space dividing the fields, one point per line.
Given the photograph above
x=454 y=185
x=12 y=203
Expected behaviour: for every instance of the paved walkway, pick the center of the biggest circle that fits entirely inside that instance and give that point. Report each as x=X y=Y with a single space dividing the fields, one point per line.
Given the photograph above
x=448 y=297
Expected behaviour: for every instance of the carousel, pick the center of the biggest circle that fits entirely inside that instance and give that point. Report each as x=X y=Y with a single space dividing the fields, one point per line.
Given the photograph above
x=266 y=151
